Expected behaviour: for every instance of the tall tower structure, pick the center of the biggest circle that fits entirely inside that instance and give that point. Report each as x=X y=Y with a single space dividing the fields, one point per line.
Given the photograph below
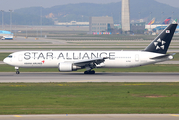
x=125 y=16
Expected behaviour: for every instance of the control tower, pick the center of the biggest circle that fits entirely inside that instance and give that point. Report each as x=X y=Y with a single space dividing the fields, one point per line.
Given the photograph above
x=125 y=16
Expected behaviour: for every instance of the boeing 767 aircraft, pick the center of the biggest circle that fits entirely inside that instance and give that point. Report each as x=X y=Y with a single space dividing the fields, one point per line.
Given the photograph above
x=67 y=61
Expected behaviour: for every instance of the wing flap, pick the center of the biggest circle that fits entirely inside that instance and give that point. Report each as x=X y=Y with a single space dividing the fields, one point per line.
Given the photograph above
x=86 y=62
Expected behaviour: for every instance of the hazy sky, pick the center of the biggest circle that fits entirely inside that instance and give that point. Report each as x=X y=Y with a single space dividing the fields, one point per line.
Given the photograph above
x=16 y=4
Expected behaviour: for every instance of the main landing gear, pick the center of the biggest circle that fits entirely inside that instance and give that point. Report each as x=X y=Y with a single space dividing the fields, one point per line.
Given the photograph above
x=17 y=70
x=89 y=72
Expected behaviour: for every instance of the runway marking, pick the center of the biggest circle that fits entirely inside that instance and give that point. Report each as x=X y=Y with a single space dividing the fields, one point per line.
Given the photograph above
x=17 y=116
x=175 y=115
x=85 y=81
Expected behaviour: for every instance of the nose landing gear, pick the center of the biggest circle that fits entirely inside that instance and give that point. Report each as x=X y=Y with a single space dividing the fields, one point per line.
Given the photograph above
x=17 y=70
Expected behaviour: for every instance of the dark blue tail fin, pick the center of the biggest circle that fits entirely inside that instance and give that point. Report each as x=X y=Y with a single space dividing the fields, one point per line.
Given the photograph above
x=162 y=42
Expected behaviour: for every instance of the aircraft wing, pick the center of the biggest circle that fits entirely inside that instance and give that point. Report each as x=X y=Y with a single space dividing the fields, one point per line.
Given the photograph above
x=95 y=61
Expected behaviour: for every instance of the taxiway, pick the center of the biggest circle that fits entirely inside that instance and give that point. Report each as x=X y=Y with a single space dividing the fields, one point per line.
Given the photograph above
x=11 y=77
x=93 y=117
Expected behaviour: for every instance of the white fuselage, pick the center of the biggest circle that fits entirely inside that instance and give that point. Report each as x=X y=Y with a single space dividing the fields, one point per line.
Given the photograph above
x=51 y=59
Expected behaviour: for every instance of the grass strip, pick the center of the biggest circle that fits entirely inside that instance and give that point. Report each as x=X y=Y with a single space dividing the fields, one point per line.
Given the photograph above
x=82 y=48
x=69 y=48
x=89 y=98
x=148 y=68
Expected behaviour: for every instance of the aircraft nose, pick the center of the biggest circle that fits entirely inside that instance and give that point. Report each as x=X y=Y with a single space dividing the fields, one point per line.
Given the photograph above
x=5 y=60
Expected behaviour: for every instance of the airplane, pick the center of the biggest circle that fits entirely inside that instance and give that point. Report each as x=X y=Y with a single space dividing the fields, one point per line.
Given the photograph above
x=67 y=61
x=152 y=26
x=162 y=27
x=151 y=22
x=167 y=21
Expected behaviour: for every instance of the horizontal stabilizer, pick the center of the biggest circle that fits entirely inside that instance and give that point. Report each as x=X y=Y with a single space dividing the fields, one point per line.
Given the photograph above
x=163 y=56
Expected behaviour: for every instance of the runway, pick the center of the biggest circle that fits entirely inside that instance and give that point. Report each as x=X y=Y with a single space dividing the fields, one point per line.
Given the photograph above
x=93 y=117
x=80 y=77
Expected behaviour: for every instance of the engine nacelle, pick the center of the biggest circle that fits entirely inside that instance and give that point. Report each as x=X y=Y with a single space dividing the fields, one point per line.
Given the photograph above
x=67 y=67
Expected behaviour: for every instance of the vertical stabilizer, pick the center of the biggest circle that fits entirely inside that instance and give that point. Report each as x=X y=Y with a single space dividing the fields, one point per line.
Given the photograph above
x=167 y=21
x=162 y=41
x=151 y=22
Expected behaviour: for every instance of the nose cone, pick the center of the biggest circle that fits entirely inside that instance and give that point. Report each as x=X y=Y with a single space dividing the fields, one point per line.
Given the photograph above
x=5 y=61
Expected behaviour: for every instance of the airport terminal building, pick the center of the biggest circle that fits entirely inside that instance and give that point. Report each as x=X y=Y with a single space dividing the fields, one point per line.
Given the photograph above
x=100 y=24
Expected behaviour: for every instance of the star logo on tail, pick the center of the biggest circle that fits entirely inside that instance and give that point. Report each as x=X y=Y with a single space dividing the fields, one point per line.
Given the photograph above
x=159 y=44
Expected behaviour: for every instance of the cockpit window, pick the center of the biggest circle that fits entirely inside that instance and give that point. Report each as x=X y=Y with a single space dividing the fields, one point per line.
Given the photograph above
x=10 y=56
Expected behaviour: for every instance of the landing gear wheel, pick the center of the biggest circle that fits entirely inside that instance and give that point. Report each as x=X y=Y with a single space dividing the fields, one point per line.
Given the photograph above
x=17 y=72
x=85 y=72
x=92 y=72
x=89 y=72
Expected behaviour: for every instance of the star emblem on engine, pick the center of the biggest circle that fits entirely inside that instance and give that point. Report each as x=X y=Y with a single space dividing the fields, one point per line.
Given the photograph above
x=159 y=44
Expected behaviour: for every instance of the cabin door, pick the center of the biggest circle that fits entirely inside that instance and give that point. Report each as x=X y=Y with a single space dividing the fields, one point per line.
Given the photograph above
x=137 y=58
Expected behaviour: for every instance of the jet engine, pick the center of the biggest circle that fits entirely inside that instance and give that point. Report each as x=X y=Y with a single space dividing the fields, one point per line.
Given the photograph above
x=67 y=67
